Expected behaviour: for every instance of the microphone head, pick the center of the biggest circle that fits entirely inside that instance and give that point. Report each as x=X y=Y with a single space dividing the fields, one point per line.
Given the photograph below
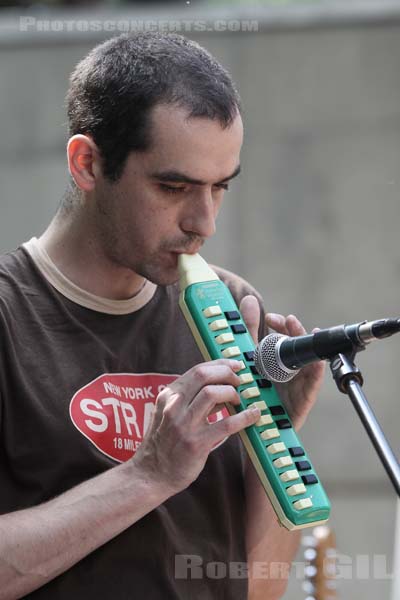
x=267 y=361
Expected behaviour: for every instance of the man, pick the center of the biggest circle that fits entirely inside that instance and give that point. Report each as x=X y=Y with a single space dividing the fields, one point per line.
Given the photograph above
x=111 y=468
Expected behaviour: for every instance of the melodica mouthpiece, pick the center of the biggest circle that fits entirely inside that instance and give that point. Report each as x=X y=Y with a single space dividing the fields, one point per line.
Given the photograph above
x=194 y=269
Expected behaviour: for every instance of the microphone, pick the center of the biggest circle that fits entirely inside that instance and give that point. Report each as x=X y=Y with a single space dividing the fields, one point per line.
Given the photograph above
x=279 y=357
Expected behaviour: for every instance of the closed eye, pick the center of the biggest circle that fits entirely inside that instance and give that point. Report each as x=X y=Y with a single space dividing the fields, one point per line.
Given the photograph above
x=170 y=189
x=222 y=186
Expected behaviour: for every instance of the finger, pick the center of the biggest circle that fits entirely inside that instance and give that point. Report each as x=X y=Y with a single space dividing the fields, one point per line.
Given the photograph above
x=250 y=310
x=315 y=372
x=230 y=425
x=277 y=322
x=209 y=397
x=183 y=390
x=294 y=326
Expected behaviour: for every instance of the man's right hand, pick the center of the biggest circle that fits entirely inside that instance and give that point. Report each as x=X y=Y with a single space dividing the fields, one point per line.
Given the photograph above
x=180 y=438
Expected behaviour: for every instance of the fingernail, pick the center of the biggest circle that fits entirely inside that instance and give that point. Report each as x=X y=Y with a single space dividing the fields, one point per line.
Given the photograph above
x=237 y=365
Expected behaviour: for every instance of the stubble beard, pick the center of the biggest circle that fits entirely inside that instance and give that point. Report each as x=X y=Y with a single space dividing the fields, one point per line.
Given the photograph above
x=120 y=248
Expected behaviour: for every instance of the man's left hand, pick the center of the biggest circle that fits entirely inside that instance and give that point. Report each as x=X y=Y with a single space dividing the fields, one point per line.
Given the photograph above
x=299 y=395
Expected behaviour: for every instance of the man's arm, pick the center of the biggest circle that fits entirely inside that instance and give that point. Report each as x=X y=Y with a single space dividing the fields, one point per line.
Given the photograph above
x=39 y=543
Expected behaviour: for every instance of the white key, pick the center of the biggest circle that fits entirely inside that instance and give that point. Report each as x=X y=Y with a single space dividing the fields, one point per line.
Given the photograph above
x=260 y=404
x=277 y=447
x=212 y=311
x=218 y=324
x=231 y=352
x=251 y=392
x=289 y=475
x=270 y=434
x=283 y=461
x=295 y=490
x=303 y=503
x=264 y=420
x=246 y=378
x=225 y=338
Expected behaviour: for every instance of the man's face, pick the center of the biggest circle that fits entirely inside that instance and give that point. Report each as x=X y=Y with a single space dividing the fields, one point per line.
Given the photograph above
x=167 y=199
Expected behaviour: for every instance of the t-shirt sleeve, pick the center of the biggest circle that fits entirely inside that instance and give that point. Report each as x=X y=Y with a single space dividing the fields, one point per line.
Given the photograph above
x=240 y=288
x=2 y=374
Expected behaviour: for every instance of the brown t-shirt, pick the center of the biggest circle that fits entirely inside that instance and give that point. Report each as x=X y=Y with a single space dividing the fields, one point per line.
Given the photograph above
x=77 y=387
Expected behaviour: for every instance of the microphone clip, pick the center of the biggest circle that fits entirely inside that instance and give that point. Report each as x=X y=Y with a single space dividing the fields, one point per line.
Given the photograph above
x=344 y=369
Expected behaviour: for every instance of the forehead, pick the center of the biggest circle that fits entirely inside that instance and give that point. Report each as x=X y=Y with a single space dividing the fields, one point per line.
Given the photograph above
x=197 y=146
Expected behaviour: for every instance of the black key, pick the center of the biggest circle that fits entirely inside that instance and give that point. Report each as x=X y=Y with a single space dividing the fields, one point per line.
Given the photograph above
x=283 y=424
x=253 y=369
x=296 y=450
x=309 y=479
x=232 y=315
x=239 y=329
x=263 y=383
x=277 y=410
x=249 y=355
x=303 y=465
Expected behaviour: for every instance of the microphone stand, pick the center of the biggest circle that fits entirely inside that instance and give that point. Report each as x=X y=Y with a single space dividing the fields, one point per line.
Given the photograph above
x=349 y=380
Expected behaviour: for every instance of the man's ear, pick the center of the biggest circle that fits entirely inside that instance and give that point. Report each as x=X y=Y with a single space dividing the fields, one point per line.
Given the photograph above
x=84 y=162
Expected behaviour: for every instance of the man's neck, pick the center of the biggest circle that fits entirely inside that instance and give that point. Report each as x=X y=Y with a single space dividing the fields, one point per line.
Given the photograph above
x=80 y=258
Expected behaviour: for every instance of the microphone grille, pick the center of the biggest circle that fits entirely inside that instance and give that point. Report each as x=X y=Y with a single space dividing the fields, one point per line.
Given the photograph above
x=266 y=360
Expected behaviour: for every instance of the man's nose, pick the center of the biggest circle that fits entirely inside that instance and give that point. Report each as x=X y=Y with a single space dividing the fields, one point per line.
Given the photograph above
x=200 y=215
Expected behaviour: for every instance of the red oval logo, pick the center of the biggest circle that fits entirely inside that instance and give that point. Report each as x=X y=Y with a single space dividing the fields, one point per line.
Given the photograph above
x=114 y=410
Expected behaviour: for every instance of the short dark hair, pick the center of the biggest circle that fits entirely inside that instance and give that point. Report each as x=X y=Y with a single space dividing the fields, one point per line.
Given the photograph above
x=113 y=90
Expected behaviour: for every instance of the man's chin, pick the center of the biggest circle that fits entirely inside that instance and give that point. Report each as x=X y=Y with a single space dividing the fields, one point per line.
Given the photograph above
x=162 y=275
x=165 y=280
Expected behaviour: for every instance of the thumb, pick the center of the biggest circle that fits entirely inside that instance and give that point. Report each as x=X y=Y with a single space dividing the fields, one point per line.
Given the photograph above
x=250 y=310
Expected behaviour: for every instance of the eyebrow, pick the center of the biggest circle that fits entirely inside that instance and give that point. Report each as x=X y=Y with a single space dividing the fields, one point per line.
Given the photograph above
x=178 y=177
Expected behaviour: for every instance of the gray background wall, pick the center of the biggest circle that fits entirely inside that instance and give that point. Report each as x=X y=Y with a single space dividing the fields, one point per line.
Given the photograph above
x=312 y=222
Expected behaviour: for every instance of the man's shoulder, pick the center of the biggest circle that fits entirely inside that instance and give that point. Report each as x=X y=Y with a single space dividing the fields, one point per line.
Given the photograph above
x=238 y=286
x=9 y=259
x=14 y=272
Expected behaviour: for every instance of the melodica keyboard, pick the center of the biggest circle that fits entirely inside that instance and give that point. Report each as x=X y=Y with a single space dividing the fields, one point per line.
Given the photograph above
x=279 y=458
